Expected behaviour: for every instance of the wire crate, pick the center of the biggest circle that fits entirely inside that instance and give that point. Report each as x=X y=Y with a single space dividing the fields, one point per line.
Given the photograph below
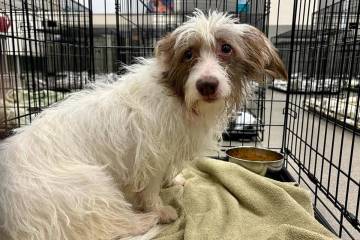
x=45 y=53
x=321 y=137
x=50 y=48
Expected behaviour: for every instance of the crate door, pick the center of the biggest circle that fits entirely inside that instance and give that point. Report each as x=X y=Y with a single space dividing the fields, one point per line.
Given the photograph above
x=322 y=122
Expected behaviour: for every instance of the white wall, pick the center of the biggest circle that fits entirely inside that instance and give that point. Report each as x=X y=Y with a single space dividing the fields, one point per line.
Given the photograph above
x=286 y=11
x=98 y=6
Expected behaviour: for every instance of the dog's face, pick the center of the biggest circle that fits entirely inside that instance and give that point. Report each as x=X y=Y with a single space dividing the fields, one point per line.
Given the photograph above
x=212 y=59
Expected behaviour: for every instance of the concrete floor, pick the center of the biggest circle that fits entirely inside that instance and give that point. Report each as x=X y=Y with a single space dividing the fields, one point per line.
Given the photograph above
x=331 y=154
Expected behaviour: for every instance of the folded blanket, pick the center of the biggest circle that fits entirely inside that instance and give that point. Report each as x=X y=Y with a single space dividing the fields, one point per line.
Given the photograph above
x=222 y=200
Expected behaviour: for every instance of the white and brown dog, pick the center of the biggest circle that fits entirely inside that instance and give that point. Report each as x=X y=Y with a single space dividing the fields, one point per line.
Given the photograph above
x=91 y=167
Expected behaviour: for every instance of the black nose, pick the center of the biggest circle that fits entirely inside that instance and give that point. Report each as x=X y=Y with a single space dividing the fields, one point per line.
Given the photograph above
x=207 y=86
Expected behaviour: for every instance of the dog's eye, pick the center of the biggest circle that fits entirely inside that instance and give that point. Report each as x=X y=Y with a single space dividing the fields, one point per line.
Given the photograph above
x=226 y=49
x=188 y=55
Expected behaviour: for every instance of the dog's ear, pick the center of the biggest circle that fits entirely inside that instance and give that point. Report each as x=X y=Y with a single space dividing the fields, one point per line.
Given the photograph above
x=165 y=47
x=259 y=54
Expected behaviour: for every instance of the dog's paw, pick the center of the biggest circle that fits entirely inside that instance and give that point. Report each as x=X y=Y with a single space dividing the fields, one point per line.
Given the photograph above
x=179 y=180
x=167 y=214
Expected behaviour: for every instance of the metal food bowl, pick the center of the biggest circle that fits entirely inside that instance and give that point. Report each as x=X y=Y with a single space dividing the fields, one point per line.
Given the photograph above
x=257 y=160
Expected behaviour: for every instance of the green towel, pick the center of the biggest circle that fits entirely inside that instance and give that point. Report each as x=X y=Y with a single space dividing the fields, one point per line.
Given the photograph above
x=222 y=200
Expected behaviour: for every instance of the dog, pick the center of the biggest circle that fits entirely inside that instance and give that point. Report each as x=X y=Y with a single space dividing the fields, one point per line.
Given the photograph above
x=92 y=166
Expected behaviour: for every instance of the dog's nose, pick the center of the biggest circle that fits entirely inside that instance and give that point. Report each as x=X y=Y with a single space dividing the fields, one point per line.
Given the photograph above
x=207 y=86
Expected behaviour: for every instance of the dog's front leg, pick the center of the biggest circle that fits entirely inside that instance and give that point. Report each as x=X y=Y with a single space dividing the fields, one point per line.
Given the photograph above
x=149 y=200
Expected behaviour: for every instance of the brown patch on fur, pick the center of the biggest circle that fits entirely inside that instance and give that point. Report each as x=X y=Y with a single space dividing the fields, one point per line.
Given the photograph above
x=255 y=54
x=165 y=45
x=253 y=57
x=239 y=82
x=177 y=69
x=261 y=54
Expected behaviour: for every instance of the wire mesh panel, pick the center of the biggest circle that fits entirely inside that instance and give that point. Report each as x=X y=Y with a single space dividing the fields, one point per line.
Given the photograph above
x=322 y=123
x=44 y=54
x=50 y=48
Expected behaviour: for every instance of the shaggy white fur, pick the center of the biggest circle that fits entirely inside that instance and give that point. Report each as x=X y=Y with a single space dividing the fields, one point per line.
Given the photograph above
x=91 y=167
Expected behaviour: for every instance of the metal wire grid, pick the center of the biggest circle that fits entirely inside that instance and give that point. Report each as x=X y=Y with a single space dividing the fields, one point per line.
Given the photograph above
x=321 y=50
x=44 y=54
x=321 y=129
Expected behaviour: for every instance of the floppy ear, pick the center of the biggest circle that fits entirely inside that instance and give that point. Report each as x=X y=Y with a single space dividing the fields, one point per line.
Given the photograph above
x=259 y=54
x=165 y=47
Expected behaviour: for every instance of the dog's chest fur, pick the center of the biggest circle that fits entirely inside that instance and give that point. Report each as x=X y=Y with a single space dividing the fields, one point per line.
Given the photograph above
x=163 y=134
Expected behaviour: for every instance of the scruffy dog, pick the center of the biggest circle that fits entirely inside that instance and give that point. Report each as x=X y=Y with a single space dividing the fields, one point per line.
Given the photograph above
x=91 y=167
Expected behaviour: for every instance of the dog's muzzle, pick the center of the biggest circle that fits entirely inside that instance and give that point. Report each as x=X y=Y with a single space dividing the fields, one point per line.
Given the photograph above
x=207 y=87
